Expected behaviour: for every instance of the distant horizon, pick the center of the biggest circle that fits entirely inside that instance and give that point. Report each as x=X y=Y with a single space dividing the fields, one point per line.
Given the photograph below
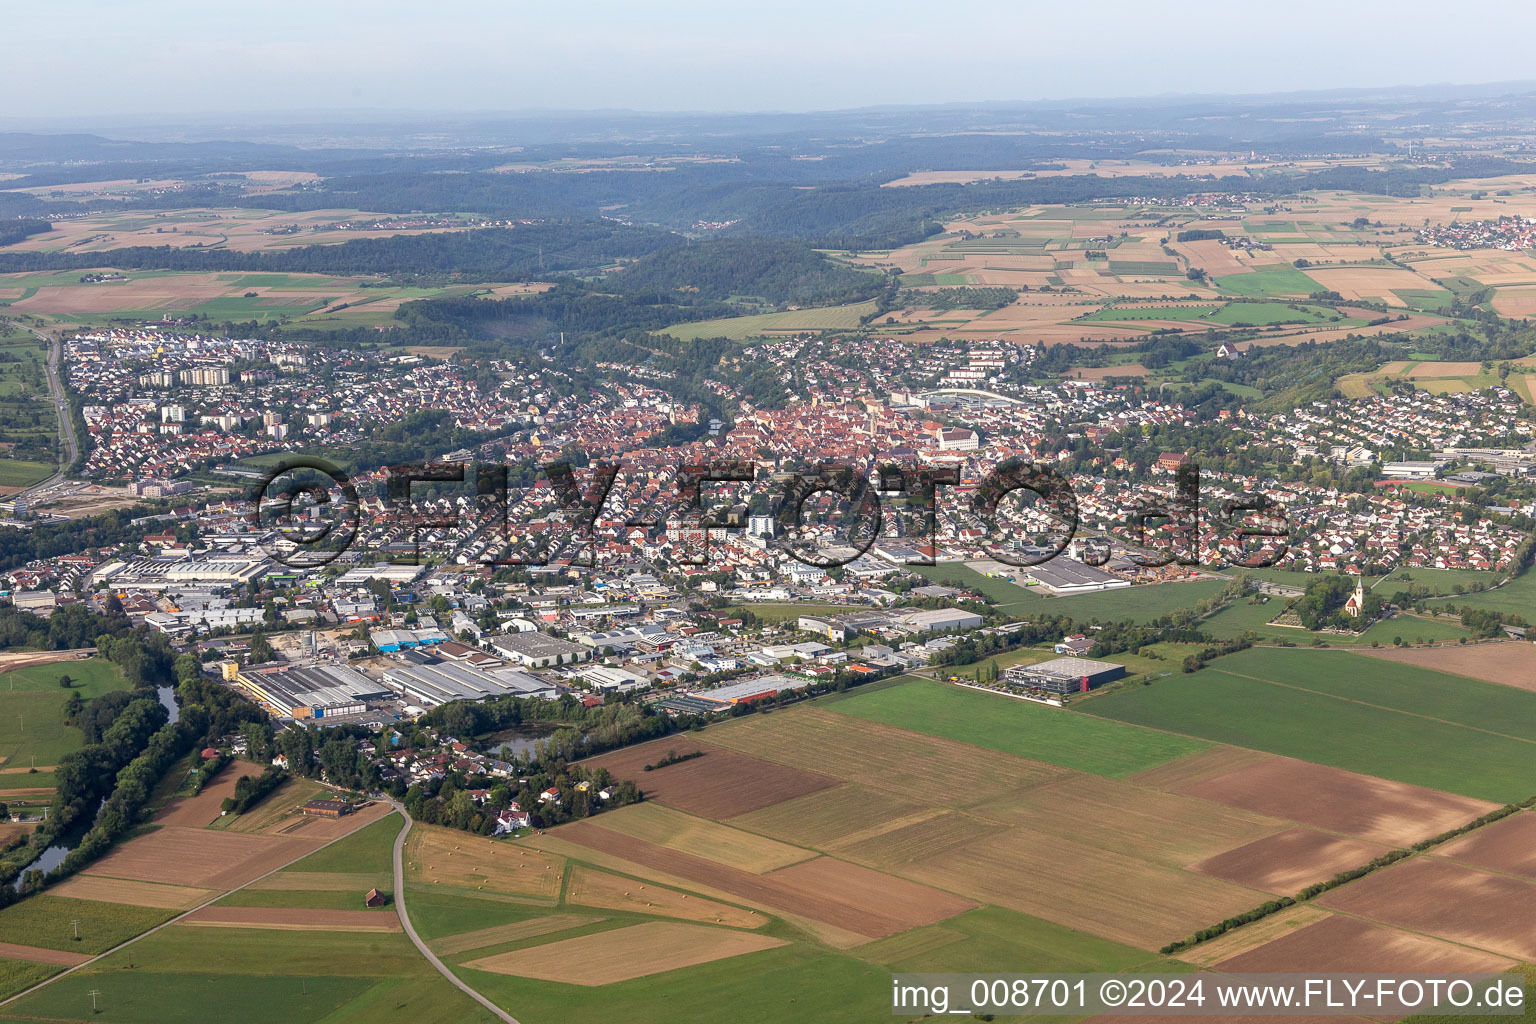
x=798 y=58
x=353 y=116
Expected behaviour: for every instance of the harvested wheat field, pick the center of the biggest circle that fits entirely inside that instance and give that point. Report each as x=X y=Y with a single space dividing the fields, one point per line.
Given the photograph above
x=1290 y=861
x=1132 y=819
x=313 y=827
x=39 y=955
x=1252 y=935
x=203 y=809
x=911 y=904
x=832 y=817
x=199 y=857
x=625 y=953
x=280 y=808
x=1365 y=947
x=1335 y=800
x=446 y=856
x=591 y=888
x=138 y=894
x=721 y=784
x=1507 y=846
x=1509 y=663
x=704 y=838
x=880 y=756
x=871 y=918
x=319 y=881
x=1112 y=895
x=1452 y=901
x=513 y=932
x=1197 y=767
x=916 y=838
x=293 y=919
x=1439 y=368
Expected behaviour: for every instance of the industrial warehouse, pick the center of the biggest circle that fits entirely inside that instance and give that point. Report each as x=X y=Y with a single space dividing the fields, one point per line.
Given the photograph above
x=430 y=683
x=1063 y=675
x=323 y=691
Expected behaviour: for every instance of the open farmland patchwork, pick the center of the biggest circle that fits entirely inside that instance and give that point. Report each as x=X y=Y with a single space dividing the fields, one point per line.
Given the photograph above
x=1370 y=717
x=624 y=953
x=720 y=784
x=445 y=856
x=1451 y=901
x=588 y=887
x=1336 y=940
x=1376 y=810
x=863 y=910
x=198 y=857
x=1287 y=862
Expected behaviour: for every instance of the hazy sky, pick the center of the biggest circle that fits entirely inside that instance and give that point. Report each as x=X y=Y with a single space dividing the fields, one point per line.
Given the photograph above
x=92 y=58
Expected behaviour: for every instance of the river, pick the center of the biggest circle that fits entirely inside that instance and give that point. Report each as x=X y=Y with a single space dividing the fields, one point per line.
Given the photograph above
x=55 y=854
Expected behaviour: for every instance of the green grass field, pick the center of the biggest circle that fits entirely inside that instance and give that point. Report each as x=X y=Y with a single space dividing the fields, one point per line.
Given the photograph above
x=190 y=975
x=775 y=611
x=1518 y=597
x=1140 y=603
x=1263 y=314
x=1142 y=268
x=1018 y=727
x=24 y=473
x=1271 y=281
x=47 y=921
x=1241 y=617
x=1152 y=313
x=742 y=327
x=32 y=728
x=20 y=975
x=367 y=849
x=1336 y=708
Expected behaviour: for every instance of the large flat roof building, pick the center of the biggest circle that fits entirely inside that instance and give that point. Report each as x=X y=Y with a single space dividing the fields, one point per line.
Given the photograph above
x=1064 y=675
x=444 y=681
x=313 y=692
x=538 y=650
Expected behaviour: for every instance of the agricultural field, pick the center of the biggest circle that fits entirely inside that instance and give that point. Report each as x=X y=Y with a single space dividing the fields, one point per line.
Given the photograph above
x=188 y=974
x=32 y=729
x=1341 y=709
x=1244 y=616
x=1138 y=603
x=1507 y=663
x=306 y=300
x=232 y=228
x=1018 y=727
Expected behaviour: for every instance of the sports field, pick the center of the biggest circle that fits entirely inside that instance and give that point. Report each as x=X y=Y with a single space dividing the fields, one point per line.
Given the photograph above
x=32 y=728
x=1335 y=708
x=1018 y=727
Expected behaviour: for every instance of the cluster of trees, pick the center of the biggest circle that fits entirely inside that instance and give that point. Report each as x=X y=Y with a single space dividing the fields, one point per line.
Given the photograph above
x=1195 y=662
x=250 y=791
x=1485 y=622
x=776 y=271
x=86 y=776
x=1321 y=605
x=1201 y=234
x=588 y=730
x=447 y=803
x=13 y=231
